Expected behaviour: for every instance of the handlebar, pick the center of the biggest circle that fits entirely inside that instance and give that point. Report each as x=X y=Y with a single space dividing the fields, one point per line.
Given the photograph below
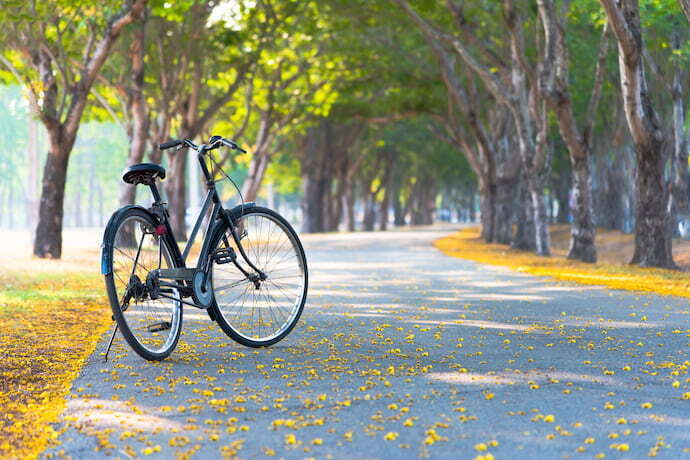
x=169 y=144
x=214 y=143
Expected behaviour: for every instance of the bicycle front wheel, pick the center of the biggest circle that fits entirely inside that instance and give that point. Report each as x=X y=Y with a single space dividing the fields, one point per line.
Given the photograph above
x=150 y=326
x=259 y=313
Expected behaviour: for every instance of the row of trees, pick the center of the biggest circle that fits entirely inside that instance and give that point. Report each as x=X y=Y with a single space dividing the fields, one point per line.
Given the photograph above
x=543 y=108
x=531 y=80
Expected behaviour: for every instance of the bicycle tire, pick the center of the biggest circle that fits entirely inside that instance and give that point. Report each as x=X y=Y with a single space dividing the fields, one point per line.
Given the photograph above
x=221 y=312
x=115 y=239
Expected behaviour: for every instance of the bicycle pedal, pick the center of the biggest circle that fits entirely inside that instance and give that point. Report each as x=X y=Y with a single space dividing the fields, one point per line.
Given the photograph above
x=158 y=327
x=224 y=256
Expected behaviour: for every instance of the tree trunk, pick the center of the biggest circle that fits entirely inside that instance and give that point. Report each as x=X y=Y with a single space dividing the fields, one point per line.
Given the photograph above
x=554 y=84
x=503 y=210
x=680 y=186
x=562 y=185
x=429 y=207
x=487 y=204
x=582 y=231
x=369 y=201
x=398 y=214
x=257 y=169
x=349 y=204
x=62 y=133
x=541 y=227
x=314 y=179
x=523 y=236
x=652 y=220
x=48 y=240
x=337 y=205
x=383 y=208
x=386 y=183
x=652 y=146
x=175 y=192
x=312 y=205
x=138 y=130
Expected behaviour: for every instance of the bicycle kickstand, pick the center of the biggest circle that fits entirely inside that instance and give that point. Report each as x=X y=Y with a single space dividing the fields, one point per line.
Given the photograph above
x=110 y=344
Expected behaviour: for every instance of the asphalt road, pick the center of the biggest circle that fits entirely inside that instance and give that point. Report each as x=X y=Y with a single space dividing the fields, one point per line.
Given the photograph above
x=404 y=352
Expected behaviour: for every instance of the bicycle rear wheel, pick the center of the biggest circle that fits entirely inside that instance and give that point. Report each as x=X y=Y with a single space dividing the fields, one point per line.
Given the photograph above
x=260 y=313
x=151 y=327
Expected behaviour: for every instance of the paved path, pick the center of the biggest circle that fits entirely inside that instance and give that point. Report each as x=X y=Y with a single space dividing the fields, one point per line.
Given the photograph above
x=404 y=352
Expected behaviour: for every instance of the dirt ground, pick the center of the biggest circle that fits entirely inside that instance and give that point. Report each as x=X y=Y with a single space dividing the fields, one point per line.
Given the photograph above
x=615 y=247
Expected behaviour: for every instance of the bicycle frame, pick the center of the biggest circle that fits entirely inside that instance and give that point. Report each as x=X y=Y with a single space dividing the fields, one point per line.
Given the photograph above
x=212 y=201
x=174 y=280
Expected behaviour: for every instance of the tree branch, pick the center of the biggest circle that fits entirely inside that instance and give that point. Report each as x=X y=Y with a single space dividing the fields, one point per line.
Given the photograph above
x=492 y=82
x=621 y=29
x=596 y=88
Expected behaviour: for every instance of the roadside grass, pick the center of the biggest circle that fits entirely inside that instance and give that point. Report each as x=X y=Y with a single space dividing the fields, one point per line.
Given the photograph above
x=51 y=320
x=612 y=273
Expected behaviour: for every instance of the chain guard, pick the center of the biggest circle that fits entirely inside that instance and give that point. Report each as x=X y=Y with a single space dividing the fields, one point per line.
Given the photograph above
x=202 y=295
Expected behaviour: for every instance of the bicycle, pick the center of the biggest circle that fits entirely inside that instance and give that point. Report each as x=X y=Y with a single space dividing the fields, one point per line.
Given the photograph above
x=250 y=276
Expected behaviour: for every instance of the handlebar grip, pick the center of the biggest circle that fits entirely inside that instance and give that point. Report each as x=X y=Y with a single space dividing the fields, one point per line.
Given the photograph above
x=232 y=144
x=169 y=144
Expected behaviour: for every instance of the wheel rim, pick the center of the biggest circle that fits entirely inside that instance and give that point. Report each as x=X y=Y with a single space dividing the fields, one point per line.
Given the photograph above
x=153 y=323
x=265 y=313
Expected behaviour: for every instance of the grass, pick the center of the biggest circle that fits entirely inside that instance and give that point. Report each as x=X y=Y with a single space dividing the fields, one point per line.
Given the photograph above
x=611 y=272
x=52 y=314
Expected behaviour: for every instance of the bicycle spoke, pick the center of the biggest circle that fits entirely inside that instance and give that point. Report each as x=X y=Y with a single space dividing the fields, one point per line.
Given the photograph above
x=264 y=311
x=143 y=317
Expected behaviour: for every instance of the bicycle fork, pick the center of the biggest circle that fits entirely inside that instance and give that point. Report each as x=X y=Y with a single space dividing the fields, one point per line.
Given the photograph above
x=256 y=277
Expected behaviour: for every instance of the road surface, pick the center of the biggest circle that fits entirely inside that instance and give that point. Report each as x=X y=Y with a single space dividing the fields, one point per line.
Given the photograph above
x=403 y=352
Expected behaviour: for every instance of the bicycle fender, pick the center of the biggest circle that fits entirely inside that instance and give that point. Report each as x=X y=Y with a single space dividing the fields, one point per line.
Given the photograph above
x=106 y=258
x=236 y=212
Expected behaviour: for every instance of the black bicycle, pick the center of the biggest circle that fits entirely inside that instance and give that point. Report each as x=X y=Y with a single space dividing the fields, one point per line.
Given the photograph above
x=250 y=274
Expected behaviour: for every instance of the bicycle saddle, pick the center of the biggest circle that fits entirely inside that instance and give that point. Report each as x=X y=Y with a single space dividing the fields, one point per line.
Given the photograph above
x=143 y=173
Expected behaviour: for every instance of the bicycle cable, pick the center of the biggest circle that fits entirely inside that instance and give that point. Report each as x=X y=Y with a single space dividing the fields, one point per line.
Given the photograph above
x=222 y=171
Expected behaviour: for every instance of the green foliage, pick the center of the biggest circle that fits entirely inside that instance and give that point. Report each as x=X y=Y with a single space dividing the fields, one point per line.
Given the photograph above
x=284 y=172
x=348 y=60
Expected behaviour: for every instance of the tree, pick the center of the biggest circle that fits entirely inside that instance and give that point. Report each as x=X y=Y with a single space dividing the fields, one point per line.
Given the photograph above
x=194 y=88
x=555 y=86
x=652 y=143
x=512 y=84
x=44 y=40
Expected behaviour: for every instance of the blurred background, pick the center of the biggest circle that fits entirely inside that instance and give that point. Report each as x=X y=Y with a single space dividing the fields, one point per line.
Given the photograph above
x=358 y=115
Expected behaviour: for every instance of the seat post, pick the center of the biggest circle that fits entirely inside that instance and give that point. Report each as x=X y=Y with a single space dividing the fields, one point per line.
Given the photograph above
x=155 y=193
